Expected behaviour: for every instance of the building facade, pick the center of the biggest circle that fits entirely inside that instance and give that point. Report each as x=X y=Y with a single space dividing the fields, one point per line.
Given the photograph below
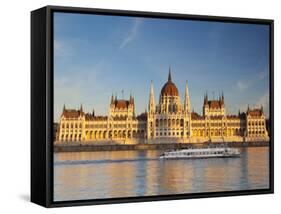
x=169 y=119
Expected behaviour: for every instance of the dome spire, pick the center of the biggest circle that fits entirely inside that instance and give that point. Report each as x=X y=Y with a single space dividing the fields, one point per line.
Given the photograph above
x=169 y=89
x=169 y=77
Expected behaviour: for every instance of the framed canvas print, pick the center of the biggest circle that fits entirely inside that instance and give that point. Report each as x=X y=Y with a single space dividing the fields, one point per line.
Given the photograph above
x=140 y=106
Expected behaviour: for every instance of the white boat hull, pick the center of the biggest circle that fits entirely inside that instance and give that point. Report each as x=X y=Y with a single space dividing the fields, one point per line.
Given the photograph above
x=201 y=153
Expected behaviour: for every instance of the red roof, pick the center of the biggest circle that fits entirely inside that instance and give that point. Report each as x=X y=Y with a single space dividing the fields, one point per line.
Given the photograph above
x=196 y=116
x=100 y=118
x=122 y=104
x=169 y=89
x=71 y=113
x=232 y=116
x=255 y=112
x=214 y=104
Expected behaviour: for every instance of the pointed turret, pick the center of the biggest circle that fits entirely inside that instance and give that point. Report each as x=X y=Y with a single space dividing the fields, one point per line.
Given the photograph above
x=222 y=99
x=131 y=100
x=81 y=110
x=112 y=99
x=261 y=108
x=206 y=99
x=93 y=112
x=63 y=110
x=186 y=100
x=151 y=104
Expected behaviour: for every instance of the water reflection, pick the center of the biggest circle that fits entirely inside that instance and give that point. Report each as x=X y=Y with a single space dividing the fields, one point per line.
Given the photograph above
x=93 y=175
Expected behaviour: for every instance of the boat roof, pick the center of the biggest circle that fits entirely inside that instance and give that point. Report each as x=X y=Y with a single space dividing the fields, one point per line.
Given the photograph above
x=202 y=149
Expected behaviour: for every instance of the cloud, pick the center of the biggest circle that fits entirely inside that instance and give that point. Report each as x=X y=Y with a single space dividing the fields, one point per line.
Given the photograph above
x=262 y=75
x=68 y=47
x=65 y=92
x=242 y=85
x=73 y=89
x=57 y=45
x=62 y=48
x=264 y=101
x=132 y=34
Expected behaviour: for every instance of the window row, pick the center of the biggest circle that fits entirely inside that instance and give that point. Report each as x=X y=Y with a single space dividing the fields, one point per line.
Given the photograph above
x=256 y=132
x=170 y=133
x=256 y=123
x=71 y=125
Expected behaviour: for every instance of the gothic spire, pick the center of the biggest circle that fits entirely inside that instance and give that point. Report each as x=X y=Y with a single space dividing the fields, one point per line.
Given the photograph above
x=206 y=99
x=186 y=99
x=112 y=99
x=151 y=104
x=131 y=99
x=81 y=108
x=222 y=98
x=64 y=108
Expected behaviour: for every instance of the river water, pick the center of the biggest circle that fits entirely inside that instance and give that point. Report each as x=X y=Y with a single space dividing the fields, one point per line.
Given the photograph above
x=111 y=174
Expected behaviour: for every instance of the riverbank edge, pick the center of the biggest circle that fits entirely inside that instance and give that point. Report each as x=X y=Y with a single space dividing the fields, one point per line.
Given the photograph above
x=76 y=147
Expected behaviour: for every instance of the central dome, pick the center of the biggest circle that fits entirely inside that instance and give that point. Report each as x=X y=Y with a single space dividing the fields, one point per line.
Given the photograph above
x=169 y=89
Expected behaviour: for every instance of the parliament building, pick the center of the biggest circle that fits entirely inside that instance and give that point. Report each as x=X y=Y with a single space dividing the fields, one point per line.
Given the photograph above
x=168 y=121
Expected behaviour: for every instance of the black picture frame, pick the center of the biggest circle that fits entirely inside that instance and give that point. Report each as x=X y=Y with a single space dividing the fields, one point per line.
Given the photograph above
x=42 y=105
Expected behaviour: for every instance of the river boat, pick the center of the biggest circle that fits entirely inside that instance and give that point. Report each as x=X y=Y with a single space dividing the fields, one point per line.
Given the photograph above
x=221 y=152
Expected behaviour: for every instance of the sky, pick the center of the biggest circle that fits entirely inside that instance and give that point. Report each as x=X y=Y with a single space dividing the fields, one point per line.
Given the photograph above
x=96 y=56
